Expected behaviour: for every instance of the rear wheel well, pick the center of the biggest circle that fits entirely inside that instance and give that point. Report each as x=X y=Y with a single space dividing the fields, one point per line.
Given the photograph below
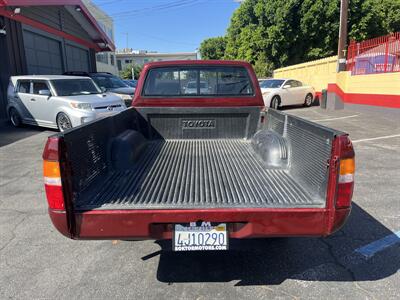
x=10 y=108
x=14 y=116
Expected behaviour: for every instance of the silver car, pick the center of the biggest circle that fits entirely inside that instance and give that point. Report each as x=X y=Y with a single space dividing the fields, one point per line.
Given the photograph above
x=59 y=102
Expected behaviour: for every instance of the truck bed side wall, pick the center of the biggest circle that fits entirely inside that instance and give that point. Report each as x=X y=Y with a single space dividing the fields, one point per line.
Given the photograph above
x=88 y=147
x=309 y=146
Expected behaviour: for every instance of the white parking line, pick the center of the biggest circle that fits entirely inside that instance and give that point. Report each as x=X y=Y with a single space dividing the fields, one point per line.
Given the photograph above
x=338 y=118
x=376 y=246
x=377 y=138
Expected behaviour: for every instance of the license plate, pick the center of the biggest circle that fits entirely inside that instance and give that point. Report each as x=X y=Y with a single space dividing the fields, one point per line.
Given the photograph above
x=200 y=237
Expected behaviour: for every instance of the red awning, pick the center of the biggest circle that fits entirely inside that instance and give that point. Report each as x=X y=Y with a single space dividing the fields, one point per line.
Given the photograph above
x=100 y=41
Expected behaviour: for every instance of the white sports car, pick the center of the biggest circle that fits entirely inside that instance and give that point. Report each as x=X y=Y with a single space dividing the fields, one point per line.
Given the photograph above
x=282 y=92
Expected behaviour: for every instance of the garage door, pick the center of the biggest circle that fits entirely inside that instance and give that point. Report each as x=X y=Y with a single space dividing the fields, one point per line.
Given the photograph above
x=43 y=54
x=77 y=58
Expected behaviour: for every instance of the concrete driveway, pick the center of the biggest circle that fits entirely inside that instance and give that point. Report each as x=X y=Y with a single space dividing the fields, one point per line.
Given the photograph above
x=361 y=261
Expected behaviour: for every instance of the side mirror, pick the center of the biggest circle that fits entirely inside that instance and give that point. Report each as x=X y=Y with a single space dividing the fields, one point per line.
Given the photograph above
x=44 y=93
x=287 y=86
x=103 y=89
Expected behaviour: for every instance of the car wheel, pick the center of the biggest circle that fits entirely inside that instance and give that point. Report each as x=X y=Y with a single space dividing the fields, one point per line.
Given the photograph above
x=15 y=118
x=275 y=102
x=308 y=101
x=63 y=122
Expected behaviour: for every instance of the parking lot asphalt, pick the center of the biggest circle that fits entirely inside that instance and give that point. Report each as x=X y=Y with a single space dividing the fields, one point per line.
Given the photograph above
x=37 y=262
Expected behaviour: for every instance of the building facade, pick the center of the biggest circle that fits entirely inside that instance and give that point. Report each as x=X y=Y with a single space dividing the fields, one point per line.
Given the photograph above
x=47 y=37
x=105 y=61
x=128 y=57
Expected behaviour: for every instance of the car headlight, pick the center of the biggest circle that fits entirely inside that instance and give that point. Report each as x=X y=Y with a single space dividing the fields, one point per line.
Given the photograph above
x=78 y=105
x=266 y=93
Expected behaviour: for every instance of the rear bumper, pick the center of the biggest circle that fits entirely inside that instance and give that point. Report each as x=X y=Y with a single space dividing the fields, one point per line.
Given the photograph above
x=157 y=224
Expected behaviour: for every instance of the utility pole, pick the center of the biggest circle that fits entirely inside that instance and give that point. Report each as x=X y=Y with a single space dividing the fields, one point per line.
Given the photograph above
x=344 y=6
x=127 y=39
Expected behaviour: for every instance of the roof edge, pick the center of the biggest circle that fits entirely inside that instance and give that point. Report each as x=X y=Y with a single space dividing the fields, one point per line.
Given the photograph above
x=109 y=43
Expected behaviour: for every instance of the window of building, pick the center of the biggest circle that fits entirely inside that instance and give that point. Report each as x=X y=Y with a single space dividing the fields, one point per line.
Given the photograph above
x=112 y=59
x=128 y=61
x=102 y=57
x=119 y=65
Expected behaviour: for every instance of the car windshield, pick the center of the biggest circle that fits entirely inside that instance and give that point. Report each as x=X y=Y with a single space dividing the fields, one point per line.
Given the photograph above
x=271 y=84
x=109 y=82
x=131 y=83
x=74 y=87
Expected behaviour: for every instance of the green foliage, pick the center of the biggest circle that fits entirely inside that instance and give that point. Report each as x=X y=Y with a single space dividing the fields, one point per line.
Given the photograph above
x=372 y=18
x=276 y=33
x=213 y=48
x=127 y=72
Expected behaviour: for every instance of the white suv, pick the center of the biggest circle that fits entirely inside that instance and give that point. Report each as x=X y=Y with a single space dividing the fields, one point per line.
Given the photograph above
x=57 y=101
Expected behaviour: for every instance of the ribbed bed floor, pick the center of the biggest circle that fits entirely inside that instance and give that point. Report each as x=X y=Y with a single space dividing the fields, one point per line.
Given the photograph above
x=196 y=174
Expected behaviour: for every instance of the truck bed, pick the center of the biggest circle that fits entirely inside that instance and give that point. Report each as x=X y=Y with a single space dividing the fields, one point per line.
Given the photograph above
x=182 y=174
x=148 y=158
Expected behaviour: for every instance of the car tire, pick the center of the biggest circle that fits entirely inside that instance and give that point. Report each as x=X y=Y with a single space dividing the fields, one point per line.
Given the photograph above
x=63 y=122
x=15 y=117
x=275 y=102
x=309 y=100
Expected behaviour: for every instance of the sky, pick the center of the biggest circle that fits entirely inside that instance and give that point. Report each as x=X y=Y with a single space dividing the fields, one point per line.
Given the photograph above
x=167 y=25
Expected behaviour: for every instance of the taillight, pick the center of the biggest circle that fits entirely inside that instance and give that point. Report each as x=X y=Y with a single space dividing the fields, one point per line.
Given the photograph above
x=52 y=174
x=346 y=173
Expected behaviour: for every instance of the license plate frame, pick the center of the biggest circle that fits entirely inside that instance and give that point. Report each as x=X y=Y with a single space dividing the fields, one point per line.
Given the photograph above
x=203 y=236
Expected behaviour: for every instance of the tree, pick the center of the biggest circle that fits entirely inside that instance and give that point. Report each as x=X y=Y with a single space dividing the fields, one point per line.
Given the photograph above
x=275 y=33
x=213 y=48
x=127 y=72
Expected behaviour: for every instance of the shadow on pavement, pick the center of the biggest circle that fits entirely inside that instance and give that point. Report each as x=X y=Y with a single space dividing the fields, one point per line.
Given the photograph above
x=9 y=134
x=272 y=261
x=289 y=107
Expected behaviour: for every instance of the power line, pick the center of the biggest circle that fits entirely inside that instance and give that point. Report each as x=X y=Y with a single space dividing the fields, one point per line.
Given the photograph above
x=119 y=1
x=124 y=17
x=165 y=6
x=164 y=40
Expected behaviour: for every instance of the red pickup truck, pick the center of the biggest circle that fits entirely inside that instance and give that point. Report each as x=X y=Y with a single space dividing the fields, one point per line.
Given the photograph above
x=198 y=160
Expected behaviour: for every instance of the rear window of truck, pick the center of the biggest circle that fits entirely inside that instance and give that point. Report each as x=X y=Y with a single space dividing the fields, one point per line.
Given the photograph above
x=198 y=81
